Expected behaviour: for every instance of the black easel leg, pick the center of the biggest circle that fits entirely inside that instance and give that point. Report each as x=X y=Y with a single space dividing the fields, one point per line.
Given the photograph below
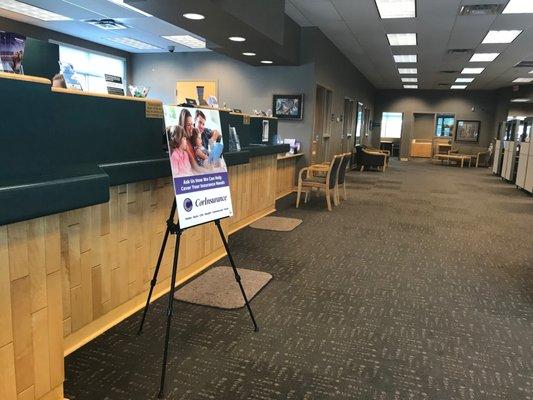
x=237 y=276
x=169 y=313
x=170 y=221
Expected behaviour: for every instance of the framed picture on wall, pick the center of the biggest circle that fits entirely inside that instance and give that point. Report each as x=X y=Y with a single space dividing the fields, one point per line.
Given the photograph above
x=288 y=107
x=467 y=131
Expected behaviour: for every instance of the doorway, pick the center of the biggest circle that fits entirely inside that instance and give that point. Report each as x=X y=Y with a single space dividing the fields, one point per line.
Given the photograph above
x=320 y=150
x=348 y=125
x=423 y=134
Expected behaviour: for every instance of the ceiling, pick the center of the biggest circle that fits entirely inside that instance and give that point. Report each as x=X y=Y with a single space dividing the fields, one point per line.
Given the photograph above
x=140 y=27
x=356 y=28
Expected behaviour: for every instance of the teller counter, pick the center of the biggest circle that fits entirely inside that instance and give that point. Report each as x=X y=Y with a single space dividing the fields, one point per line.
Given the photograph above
x=83 y=207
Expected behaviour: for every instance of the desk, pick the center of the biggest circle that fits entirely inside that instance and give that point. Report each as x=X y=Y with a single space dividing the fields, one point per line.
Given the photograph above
x=70 y=270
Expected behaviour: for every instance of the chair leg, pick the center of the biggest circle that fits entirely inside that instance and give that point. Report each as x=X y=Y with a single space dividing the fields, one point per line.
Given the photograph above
x=384 y=168
x=299 y=193
x=362 y=168
x=306 y=195
x=344 y=187
x=328 y=200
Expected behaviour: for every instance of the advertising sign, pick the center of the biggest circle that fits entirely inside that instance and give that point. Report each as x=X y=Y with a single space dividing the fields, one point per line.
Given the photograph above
x=199 y=172
x=12 y=52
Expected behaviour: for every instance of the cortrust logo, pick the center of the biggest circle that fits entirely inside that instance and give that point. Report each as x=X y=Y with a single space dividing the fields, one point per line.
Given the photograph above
x=206 y=201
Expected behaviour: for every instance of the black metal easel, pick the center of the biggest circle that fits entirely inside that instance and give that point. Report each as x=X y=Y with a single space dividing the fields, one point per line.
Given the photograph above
x=174 y=229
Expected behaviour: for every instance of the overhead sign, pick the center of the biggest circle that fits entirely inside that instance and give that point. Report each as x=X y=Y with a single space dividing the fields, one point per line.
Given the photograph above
x=199 y=172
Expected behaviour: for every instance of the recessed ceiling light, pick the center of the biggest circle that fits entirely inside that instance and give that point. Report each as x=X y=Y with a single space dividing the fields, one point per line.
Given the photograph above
x=267 y=62
x=523 y=80
x=472 y=71
x=408 y=58
x=409 y=79
x=31 y=11
x=126 y=5
x=519 y=7
x=410 y=86
x=396 y=8
x=519 y=100
x=130 y=42
x=458 y=87
x=237 y=39
x=464 y=80
x=408 y=71
x=187 y=40
x=531 y=72
x=248 y=54
x=501 y=36
x=193 y=16
x=402 y=39
x=484 y=57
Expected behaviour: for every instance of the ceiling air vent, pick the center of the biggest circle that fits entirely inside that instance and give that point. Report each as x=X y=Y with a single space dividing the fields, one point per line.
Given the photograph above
x=460 y=51
x=449 y=72
x=524 y=64
x=107 y=24
x=481 y=9
x=445 y=84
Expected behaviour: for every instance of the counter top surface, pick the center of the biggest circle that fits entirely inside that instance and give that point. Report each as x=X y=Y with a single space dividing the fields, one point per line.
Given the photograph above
x=287 y=155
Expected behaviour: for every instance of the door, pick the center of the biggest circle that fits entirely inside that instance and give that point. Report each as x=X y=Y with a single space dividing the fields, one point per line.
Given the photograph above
x=320 y=149
x=348 y=125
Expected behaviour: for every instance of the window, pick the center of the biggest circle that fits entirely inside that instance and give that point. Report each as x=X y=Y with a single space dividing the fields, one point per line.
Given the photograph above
x=391 y=125
x=359 y=120
x=91 y=67
x=444 y=126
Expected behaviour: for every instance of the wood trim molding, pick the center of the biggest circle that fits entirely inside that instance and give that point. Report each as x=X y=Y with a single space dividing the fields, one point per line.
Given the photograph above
x=27 y=78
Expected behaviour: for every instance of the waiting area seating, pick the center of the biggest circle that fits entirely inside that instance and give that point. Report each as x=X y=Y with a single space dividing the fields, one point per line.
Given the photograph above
x=327 y=176
x=479 y=155
x=368 y=157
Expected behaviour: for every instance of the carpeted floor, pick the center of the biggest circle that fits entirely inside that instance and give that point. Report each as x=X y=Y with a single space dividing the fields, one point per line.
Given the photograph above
x=420 y=286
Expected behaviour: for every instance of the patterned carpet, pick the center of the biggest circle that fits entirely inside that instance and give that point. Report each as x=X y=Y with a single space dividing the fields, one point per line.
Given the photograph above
x=420 y=286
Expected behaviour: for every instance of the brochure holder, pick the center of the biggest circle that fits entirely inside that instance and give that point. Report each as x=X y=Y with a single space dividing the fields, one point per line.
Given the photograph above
x=174 y=229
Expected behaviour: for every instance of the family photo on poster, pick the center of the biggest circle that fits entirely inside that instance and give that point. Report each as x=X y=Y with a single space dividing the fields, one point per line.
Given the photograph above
x=199 y=172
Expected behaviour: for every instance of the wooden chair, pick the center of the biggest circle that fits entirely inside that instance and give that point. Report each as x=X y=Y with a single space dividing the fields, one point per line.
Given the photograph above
x=327 y=182
x=341 y=180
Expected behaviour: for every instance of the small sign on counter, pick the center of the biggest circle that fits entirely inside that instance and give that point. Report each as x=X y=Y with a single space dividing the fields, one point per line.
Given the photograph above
x=154 y=110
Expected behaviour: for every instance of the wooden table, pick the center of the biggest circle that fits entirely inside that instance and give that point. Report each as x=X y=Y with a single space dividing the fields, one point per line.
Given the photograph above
x=455 y=157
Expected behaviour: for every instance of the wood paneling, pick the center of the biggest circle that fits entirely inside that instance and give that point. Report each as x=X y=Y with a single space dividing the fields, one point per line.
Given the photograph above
x=286 y=176
x=66 y=278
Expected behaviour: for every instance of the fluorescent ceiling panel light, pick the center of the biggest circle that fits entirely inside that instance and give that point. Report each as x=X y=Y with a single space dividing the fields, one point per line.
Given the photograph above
x=237 y=39
x=248 y=54
x=408 y=71
x=126 y=5
x=519 y=7
x=484 y=57
x=187 y=40
x=31 y=11
x=519 y=100
x=396 y=8
x=501 y=36
x=410 y=86
x=472 y=71
x=464 y=80
x=194 y=16
x=130 y=42
x=458 y=87
x=409 y=79
x=267 y=62
x=408 y=58
x=402 y=39
x=523 y=80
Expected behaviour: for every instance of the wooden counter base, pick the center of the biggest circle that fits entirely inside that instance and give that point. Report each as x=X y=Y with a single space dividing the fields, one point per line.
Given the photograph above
x=286 y=175
x=66 y=278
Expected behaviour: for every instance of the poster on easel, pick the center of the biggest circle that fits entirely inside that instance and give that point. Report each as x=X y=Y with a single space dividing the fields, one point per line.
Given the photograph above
x=12 y=52
x=199 y=172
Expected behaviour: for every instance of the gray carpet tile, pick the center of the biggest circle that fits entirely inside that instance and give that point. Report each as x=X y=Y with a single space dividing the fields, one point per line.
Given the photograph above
x=420 y=286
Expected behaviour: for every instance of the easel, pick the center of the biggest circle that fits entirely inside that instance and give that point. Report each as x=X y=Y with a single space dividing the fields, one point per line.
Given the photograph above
x=174 y=229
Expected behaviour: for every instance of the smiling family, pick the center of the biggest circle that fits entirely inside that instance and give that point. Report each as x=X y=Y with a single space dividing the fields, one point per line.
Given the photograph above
x=194 y=148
